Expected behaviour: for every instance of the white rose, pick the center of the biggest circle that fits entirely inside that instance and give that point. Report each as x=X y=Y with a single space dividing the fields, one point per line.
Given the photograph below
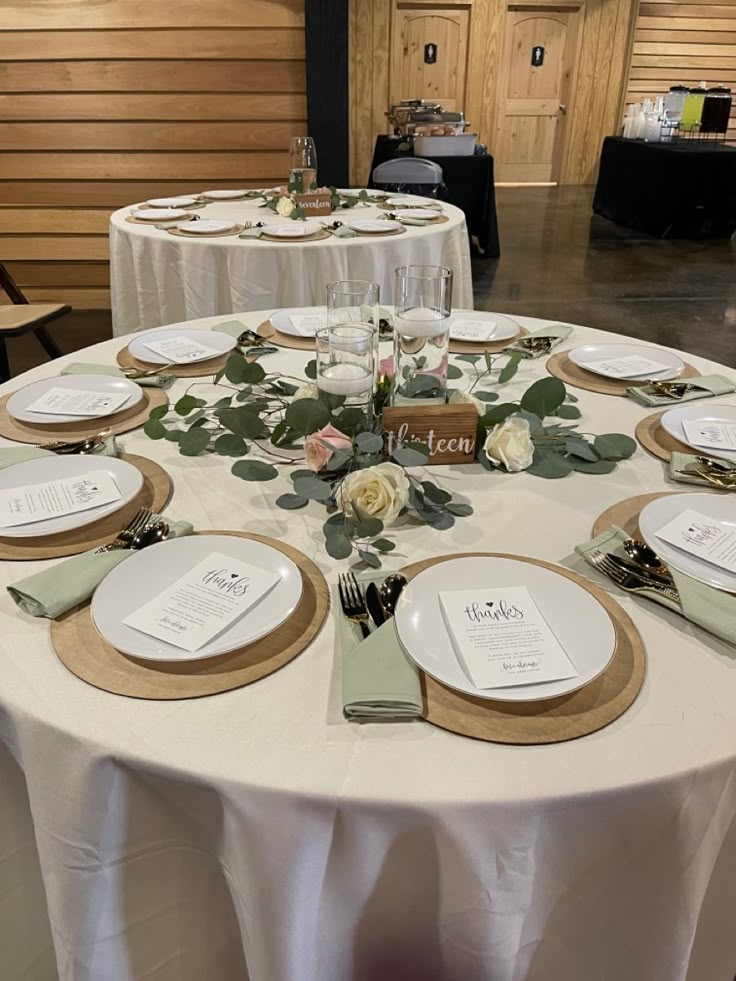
x=379 y=492
x=285 y=206
x=510 y=445
x=306 y=391
x=465 y=398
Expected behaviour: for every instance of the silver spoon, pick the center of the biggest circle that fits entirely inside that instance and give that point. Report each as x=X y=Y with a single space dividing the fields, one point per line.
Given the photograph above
x=150 y=536
x=390 y=590
x=644 y=556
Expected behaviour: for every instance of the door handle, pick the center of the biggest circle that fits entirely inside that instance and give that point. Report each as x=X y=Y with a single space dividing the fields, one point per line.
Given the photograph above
x=563 y=109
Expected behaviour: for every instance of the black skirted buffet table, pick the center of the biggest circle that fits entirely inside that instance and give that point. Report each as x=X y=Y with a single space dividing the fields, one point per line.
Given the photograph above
x=675 y=190
x=469 y=183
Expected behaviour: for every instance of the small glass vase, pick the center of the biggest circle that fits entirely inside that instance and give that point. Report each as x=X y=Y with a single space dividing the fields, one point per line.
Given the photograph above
x=421 y=334
x=302 y=164
x=352 y=301
x=345 y=370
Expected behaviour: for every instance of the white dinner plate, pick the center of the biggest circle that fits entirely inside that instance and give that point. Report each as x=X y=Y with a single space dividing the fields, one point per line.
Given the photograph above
x=588 y=353
x=206 y=226
x=657 y=513
x=408 y=201
x=295 y=229
x=150 y=571
x=19 y=401
x=579 y=622
x=159 y=214
x=372 y=192
x=671 y=421
x=128 y=479
x=216 y=339
x=180 y=202
x=375 y=226
x=423 y=214
x=224 y=194
x=281 y=320
x=505 y=326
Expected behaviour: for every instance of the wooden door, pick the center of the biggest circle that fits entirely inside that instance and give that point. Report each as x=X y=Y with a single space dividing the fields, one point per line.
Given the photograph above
x=540 y=55
x=429 y=53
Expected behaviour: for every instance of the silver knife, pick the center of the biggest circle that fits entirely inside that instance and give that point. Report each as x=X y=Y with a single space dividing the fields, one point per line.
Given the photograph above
x=373 y=602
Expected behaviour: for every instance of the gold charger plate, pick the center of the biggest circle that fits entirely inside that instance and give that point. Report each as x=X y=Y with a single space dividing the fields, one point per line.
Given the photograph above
x=626 y=513
x=154 y=494
x=199 y=369
x=550 y=720
x=314 y=237
x=83 y=651
x=273 y=336
x=118 y=422
x=563 y=368
x=656 y=440
x=181 y=233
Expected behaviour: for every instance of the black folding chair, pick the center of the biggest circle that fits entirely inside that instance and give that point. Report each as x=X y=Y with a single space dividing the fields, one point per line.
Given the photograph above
x=21 y=317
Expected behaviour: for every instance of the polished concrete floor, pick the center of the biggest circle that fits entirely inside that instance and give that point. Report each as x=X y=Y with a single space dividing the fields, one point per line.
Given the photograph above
x=559 y=261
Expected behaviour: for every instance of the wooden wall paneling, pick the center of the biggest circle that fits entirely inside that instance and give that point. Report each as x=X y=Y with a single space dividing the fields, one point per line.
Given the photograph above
x=60 y=274
x=147 y=137
x=88 y=15
x=131 y=107
x=256 y=165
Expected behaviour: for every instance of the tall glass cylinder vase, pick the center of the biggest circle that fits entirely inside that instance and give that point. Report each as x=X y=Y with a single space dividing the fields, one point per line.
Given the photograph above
x=345 y=373
x=421 y=334
x=302 y=163
x=355 y=301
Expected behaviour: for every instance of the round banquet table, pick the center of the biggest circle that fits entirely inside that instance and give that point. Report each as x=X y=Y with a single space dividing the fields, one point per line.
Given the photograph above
x=257 y=835
x=158 y=278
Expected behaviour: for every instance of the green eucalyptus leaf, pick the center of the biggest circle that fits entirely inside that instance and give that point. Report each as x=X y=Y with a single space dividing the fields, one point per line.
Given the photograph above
x=243 y=423
x=598 y=466
x=311 y=369
x=454 y=372
x=304 y=472
x=254 y=470
x=498 y=413
x=174 y=435
x=458 y=509
x=416 y=496
x=440 y=520
x=435 y=493
x=614 y=446
x=544 y=397
x=186 y=403
x=307 y=416
x=154 y=429
x=384 y=544
x=550 y=464
x=351 y=421
x=193 y=442
x=223 y=403
x=230 y=445
x=219 y=375
x=158 y=412
x=338 y=546
x=369 y=442
x=470 y=358
x=409 y=457
x=486 y=396
x=339 y=458
x=420 y=385
x=291 y=502
x=314 y=489
x=567 y=411
x=369 y=558
x=569 y=397
x=580 y=448
x=510 y=368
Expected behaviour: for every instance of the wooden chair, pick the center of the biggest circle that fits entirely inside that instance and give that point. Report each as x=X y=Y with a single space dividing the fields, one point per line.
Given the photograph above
x=19 y=317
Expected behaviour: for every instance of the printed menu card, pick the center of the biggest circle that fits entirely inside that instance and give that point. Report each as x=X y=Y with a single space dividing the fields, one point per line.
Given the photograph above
x=181 y=350
x=463 y=329
x=711 y=433
x=203 y=602
x=76 y=402
x=701 y=536
x=56 y=498
x=502 y=638
x=631 y=366
x=308 y=323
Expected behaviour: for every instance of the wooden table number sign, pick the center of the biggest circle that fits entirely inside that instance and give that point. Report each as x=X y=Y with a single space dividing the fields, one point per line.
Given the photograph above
x=448 y=430
x=315 y=203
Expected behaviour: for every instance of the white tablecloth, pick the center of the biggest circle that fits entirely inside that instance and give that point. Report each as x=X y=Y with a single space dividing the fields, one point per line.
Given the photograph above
x=157 y=278
x=257 y=835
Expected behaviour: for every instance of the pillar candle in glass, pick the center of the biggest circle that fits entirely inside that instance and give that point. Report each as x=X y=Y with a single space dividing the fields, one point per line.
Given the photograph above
x=345 y=373
x=302 y=163
x=421 y=334
x=355 y=301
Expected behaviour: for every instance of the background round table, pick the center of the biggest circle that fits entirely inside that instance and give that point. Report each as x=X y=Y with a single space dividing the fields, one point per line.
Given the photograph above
x=157 y=278
x=258 y=836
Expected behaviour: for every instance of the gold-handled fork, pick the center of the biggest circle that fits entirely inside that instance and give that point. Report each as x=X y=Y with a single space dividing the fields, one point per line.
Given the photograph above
x=124 y=537
x=352 y=601
x=670 y=389
x=631 y=582
x=132 y=373
x=85 y=445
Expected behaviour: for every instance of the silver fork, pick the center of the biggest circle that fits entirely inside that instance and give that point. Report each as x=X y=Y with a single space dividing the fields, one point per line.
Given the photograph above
x=631 y=582
x=123 y=539
x=353 y=604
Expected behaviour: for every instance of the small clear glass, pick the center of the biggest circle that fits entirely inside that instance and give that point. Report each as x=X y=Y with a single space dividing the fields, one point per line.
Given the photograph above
x=421 y=334
x=355 y=301
x=302 y=163
x=345 y=367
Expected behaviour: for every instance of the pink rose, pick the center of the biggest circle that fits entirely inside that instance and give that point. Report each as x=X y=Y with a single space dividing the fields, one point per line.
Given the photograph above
x=386 y=368
x=319 y=447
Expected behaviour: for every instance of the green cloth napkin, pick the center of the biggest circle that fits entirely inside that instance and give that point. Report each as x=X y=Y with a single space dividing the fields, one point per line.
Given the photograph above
x=67 y=584
x=152 y=381
x=709 y=608
x=680 y=461
x=558 y=332
x=707 y=387
x=234 y=328
x=379 y=682
x=343 y=231
x=419 y=222
x=10 y=455
x=252 y=232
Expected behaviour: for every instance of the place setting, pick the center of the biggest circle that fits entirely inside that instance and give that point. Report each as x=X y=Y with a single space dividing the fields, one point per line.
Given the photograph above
x=699 y=442
x=68 y=407
x=180 y=351
x=502 y=648
x=478 y=331
x=294 y=328
x=610 y=369
x=675 y=549
x=186 y=614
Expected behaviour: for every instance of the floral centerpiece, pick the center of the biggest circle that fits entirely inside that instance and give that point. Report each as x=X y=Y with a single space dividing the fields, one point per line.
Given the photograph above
x=334 y=454
x=285 y=201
